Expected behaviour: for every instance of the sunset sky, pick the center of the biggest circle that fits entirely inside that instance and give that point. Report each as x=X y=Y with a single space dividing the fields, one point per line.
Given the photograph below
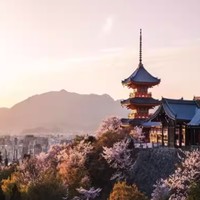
x=89 y=46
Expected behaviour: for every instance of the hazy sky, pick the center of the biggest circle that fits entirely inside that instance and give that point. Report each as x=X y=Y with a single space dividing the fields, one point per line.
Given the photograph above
x=89 y=46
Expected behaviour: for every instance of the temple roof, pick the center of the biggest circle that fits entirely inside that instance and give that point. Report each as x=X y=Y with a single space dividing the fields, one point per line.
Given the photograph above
x=196 y=119
x=197 y=99
x=140 y=101
x=177 y=109
x=132 y=122
x=141 y=76
x=151 y=124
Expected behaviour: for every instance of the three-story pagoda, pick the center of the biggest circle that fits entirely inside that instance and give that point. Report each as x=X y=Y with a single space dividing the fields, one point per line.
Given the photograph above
x=140 y=100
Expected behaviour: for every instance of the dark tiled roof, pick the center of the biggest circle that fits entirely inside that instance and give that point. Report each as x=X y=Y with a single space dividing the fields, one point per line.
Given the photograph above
x=139 y=122
x=132 y=122
x=151 y=124
x=196 y=119
x=125 y=121
x=141 y=76
x=198 y=102
x=178 y=109
x=141 y=101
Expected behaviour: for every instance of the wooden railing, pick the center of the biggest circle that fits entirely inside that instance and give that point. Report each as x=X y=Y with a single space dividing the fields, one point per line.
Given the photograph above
x=136 y=115
x=139 y=94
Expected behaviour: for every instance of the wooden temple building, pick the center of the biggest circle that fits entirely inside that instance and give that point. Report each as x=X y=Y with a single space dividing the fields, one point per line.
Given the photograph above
x=140 y=100
x=180 y=121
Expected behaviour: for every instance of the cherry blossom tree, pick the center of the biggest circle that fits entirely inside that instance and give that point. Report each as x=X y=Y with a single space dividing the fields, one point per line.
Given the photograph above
x=120 y=157
x=73 y=156
x=91 y=193
x=110 y=124
x=34 y=174
x=161 y=191
x=62 y=166
x=72 y=168
x=137 y=134
x=53 y=152
x=177 y=185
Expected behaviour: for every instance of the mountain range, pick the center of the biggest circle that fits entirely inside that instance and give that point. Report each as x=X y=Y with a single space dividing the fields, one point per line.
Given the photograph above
x=59 y=111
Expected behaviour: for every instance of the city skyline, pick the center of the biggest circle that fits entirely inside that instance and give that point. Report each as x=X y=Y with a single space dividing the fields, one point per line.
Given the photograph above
x=91 y=46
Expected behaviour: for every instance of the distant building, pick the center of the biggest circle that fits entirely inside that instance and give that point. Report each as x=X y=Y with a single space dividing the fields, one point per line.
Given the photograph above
x=28 y=144
x=140 y=101
x=37 y=149
x=43 y=142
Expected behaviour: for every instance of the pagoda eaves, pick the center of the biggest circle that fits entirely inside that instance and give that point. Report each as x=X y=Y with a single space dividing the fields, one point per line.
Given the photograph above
x=141 y=77
x=132 y=122
x=140 y=101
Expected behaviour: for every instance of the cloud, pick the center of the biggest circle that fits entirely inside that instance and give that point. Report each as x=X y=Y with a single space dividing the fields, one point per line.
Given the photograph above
x=108 y=25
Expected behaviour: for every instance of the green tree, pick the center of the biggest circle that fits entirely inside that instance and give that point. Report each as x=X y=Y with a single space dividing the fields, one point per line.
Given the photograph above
x=51 y=189
x=122 y=191
x=109 y=138
x=5 y=173
x=194 y=193
x=16 y=195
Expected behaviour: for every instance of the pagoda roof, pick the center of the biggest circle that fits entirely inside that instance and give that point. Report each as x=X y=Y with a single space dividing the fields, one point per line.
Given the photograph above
x=196 y=119
x=139 y=122
x=141 y=76
x=141 y=101
x=177 y=109
x=132 y=122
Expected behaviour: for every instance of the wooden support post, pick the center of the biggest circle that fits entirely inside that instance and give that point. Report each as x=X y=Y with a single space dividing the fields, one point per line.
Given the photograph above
x=162 y=135
x=180 y=135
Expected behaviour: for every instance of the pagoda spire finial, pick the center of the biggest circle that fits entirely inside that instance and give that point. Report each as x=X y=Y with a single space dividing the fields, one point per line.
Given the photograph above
x=140 y=56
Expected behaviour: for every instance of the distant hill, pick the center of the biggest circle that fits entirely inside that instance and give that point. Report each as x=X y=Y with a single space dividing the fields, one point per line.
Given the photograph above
x=59 y=111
